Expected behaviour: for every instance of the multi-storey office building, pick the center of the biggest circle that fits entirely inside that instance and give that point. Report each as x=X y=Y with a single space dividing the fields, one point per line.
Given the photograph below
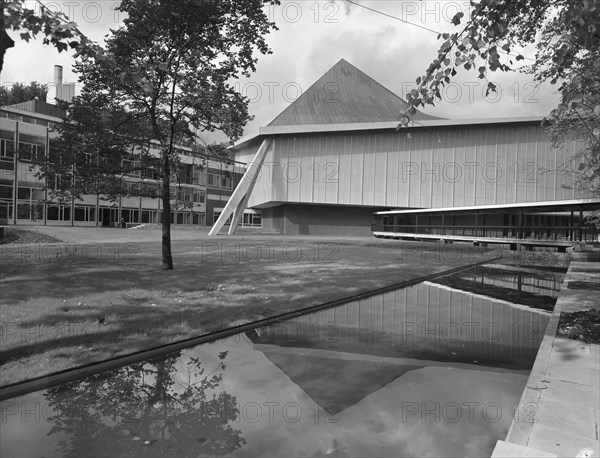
x=205 y=182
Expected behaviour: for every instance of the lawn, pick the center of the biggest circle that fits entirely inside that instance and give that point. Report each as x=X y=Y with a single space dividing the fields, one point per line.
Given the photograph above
x=67 y=304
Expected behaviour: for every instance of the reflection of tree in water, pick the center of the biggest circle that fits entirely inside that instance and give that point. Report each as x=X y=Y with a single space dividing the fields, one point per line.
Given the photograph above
x=156 y=408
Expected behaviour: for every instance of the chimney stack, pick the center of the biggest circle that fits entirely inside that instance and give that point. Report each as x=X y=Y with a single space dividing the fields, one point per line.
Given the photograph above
x=58 y=74
x=58 y=89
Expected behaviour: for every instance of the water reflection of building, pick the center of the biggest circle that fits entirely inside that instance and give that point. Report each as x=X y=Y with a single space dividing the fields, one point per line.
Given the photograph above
x=368 y=343
x=534 y=288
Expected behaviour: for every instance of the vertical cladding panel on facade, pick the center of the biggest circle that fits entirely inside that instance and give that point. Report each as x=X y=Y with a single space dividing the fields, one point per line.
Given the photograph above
x=320 y=157
x=344 y=171
x=413 y=169
x=470 y=167
x=459 y=159
x=549 y=176
x=483 y=158
x=437 y=165
x=447 y=168
x=306 y=160
x=526 y=161
x=290 y=168
x=503 y=190
x=538 y=191
x=568 y=191
x=543 y=171
x=426 y=171
x=369 y=171
x=330 y=168
x=576 y=190
x=488 y=172
x=520 y=164
x=547 y=172
x=531 y=164
x=404 y=159
x=356 y=172
x=380 y=160
x=391 y=172
x=475 y=185
x=280 y=153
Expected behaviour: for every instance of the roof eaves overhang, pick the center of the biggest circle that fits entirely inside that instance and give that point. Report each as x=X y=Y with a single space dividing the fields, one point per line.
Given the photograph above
x=547 y=205
x=364 y=126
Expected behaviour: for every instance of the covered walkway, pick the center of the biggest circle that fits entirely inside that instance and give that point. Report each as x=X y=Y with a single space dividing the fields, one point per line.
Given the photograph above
x=537 y=224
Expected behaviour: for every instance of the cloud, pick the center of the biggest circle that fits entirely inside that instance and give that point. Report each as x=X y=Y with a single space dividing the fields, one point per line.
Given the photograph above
x=312 y=37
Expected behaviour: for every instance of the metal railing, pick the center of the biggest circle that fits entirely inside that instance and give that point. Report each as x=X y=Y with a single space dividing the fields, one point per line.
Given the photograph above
x=542 y=233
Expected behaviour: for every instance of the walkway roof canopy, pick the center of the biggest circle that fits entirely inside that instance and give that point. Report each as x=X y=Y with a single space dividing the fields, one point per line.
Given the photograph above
x=584 y=204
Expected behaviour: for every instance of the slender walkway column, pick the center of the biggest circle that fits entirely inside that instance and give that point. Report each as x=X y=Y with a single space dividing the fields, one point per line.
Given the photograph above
x=239 y=199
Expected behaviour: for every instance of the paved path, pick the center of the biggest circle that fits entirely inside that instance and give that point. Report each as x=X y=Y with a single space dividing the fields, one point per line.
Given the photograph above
x=559 y=410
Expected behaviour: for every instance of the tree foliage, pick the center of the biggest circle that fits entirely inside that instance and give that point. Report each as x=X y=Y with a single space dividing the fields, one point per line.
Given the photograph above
x=21 y=92
x=168 y=406
x=166 y=75
x=56 y=28
x=566 y=34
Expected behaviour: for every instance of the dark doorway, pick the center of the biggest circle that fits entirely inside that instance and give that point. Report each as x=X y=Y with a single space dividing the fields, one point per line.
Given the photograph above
x=105 y=217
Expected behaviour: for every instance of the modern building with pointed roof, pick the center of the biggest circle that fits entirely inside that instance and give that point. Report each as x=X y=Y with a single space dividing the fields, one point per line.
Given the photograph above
x=344 y=94
x=335 y=156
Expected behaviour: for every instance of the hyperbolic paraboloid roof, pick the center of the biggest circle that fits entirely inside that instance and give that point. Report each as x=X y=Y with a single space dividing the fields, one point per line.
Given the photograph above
x=344 y=94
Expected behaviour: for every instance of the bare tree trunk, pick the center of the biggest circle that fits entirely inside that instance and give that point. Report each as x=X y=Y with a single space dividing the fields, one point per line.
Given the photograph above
x=167 y=258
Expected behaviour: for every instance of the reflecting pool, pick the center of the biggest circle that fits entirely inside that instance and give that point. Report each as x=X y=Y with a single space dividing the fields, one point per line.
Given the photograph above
x=436 y=369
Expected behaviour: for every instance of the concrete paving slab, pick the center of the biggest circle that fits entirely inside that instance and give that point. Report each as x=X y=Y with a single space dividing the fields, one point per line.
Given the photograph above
x=564 y=383
x=555 y=440
x=578 y=395
x=573 y=419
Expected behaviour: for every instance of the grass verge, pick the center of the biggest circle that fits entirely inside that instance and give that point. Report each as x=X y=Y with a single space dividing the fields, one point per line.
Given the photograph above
x=71 y=304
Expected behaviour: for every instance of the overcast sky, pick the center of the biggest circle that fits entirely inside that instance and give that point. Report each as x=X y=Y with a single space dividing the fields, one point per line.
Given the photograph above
x=312 y=37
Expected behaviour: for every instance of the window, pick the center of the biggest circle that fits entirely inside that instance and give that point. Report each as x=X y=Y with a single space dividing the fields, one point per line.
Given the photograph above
x=5 y=192
x=62 y=182
x=7 y=149
x=199 y=219
x=213 y=180
x=80 y=213
x=199 y=197
x=24 y=193
x=226 y=182
x=31 y=148
x=182 y=194
x=216 y=215
x=251 y=219
x=24 y=211
x=53 y=213
x=199 y=179
x=5 y=210
x=248 y=219
x=150 y=190
x=131 y=168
